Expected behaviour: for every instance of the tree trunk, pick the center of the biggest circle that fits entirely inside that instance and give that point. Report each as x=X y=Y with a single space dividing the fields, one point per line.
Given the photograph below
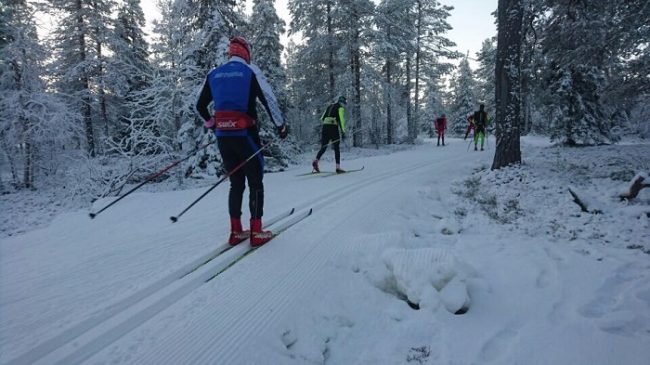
x=330 y=50
x=102 y=93
x=85 y=84
x=356 y=108
x=407 y=99
x=416 y=97
x=508 y=88
x=389 y=121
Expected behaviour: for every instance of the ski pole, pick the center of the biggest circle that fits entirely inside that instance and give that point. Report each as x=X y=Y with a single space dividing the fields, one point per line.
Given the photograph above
x=151 y=177
x=340 y=138
x=174 y=219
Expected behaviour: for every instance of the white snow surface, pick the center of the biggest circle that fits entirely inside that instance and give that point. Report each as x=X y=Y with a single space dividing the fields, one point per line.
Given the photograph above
x=541 y=282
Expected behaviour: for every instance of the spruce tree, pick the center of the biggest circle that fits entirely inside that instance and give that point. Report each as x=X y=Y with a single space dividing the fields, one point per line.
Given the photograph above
x=464 y=97
x=265 y=28
x=130 y=69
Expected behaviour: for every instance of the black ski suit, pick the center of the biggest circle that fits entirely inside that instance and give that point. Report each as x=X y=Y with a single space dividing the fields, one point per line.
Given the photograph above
x=332 y=118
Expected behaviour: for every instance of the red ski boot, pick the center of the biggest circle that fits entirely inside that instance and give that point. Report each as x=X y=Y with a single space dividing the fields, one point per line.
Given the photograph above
x=237 y=234
x=314 y=165
x=259 y=237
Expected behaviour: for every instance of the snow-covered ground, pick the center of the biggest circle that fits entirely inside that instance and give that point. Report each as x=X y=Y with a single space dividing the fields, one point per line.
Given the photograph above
x=424 y=257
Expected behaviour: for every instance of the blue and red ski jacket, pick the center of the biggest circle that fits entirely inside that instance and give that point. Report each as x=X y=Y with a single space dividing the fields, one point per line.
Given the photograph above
x=233 y=89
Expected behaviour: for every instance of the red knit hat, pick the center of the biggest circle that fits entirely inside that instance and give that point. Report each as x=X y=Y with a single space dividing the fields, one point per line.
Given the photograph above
x=240 y=48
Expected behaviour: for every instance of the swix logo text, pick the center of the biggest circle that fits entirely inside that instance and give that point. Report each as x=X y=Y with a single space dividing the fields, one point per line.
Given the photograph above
x=227 y=124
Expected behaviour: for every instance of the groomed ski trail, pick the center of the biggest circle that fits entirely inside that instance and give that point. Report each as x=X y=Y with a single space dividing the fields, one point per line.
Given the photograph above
x=236 y=306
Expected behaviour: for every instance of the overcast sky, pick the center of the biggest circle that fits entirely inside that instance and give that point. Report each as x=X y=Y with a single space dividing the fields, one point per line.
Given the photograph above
x=472 y=21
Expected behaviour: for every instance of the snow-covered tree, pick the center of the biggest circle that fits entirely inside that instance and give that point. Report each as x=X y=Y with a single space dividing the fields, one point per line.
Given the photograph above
x=315 y=67
x=168 y=101
x=486 y=58
x=316 y=58
x=464 y=97
x=431 y=50
x=215 y=22
x=588 y=48
x=265 y=28
x=433 y=107
x=79 y=45
x=130 y=70
x=35 y=126
x=354 y=22
x=392 y=38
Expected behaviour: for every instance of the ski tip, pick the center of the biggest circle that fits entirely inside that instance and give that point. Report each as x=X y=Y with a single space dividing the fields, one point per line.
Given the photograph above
x=293 y=210
x=92 y=215
x=310 y=211
x=174 y=219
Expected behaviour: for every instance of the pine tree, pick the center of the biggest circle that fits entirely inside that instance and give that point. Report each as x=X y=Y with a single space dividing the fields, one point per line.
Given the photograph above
x=431 y=49
x=391 y=40
x=354 y=21
x=508 y=91
x=79 y=59
x=315 y=64
x=318 y=52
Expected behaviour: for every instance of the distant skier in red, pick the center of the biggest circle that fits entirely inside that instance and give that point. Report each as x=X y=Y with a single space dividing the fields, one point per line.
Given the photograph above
x=440 y=125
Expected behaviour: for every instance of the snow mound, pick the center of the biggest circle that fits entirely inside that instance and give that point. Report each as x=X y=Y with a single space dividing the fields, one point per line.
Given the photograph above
x=428 y=277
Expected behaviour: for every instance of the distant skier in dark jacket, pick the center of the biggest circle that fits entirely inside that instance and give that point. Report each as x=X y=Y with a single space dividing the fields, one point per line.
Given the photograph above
x=233 y=89
x=441 y=125
x=332 y=119
x=480 y=121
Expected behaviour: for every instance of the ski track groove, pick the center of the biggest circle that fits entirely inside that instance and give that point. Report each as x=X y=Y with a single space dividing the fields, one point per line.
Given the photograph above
x=98 y=317
x=72 y=329
x=148 y=291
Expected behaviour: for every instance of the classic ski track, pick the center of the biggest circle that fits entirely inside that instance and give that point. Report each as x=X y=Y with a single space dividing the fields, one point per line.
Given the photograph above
x=316 y=203
x=101 y=316
x=194 y=280
x=258 y=316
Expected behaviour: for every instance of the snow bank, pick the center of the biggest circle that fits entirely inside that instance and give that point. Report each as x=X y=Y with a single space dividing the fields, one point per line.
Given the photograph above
x=428 y=277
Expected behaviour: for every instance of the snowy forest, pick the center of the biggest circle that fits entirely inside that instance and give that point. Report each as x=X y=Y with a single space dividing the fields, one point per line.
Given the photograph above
x=532 y=250
x=97 y=104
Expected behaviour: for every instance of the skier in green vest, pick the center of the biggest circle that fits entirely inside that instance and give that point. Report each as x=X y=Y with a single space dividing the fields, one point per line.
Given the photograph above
x=480 y=121
x=332 y=119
